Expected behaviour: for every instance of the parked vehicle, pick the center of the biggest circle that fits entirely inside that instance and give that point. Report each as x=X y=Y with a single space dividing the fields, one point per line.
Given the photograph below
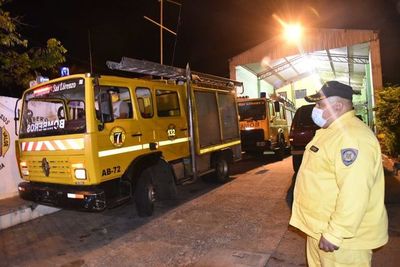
x=302 y=131
x=74 y=150
x=264 y=125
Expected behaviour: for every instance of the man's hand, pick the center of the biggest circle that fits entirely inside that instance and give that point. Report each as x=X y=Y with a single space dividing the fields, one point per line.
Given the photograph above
x=327 y=246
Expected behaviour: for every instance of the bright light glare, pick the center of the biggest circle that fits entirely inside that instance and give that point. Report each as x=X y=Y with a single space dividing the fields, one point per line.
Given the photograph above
x=293 y=32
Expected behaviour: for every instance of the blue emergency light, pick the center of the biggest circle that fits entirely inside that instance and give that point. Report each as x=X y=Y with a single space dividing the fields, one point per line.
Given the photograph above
x=64 y=71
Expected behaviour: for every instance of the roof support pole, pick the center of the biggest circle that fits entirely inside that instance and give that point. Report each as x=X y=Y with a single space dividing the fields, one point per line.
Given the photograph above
x=330 y=62
x=376 y=67
x=350 y=64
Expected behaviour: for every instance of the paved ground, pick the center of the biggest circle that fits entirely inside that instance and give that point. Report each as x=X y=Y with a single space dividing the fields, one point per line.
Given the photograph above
x=241 y=223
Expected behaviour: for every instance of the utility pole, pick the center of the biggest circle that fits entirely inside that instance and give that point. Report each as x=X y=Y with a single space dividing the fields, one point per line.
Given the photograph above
x=162 y=27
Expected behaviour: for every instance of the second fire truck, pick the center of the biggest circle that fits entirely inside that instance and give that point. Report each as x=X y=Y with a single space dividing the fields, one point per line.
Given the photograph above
x=265 y=124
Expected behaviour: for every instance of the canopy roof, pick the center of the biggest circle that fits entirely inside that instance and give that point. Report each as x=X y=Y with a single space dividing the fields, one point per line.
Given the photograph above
x=332 y=54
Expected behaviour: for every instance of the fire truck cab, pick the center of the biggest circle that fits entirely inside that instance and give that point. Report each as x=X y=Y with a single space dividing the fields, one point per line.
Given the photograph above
x=265 y=124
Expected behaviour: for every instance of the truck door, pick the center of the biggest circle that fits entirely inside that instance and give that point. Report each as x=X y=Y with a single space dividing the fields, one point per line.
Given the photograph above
x=172 y=129
x=121 y=139
x=163 y=121
x=273 y=128
x=144 y=99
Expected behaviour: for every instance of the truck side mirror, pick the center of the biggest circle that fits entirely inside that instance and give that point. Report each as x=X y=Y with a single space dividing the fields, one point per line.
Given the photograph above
x=105 y=109
x=16 y=116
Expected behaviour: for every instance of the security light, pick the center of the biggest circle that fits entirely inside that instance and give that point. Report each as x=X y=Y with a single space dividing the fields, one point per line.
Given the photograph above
x=293 y=32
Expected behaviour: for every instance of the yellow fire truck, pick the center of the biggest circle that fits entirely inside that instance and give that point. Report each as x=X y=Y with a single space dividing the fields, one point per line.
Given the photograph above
x=80 y=146
x=265 y=124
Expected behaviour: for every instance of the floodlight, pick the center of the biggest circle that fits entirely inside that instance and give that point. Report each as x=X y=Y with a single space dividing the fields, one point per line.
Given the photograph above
x=293 y=32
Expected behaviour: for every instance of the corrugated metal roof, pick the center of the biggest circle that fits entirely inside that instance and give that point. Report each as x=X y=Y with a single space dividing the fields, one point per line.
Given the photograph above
x=333 y=54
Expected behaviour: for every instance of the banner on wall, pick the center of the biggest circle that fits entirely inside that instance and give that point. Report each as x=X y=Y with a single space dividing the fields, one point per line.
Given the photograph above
x=9 y=174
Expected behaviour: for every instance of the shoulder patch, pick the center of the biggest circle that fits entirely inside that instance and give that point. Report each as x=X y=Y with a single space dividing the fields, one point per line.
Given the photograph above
x=314 y=149
x=349 y=155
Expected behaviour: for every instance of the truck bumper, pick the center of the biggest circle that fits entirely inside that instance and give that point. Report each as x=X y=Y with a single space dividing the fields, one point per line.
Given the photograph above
x=254 y=141
x=257 y=146
x=67 y=196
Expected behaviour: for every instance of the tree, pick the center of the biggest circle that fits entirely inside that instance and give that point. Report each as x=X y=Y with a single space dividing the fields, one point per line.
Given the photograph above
x=388 y=119
x=20 y=64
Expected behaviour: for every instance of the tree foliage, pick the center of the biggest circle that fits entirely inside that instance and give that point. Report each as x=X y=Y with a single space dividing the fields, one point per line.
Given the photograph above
x=388 y=118
x=20 y=64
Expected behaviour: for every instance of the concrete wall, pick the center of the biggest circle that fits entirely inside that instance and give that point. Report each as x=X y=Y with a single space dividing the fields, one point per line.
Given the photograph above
x=311 y=83
x=9 y=174
x=252 y=86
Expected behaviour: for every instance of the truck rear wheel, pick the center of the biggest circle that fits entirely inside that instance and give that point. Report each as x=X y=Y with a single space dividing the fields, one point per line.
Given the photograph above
x=221 y=169
x=145 y=194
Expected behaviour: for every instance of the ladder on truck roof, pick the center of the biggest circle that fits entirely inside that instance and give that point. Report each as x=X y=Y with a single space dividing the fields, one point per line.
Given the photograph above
x=155 y=69
x=287 y=102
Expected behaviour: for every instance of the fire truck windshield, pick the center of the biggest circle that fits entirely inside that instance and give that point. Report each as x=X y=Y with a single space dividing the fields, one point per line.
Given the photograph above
x=252 y=110
x=54 y=109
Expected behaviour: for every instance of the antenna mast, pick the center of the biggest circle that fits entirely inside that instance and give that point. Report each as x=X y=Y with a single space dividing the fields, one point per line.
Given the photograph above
x=162 y=27
x=90 y=52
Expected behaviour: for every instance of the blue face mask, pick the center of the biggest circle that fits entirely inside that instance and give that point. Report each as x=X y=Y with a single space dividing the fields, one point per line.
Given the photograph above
x=316 y=116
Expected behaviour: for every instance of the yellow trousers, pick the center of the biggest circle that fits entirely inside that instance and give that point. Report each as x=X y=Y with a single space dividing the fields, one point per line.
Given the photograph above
x=338 y=258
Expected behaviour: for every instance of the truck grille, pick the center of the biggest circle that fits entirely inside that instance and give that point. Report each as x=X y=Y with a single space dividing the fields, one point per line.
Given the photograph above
x=252 y=136
x=57 y=169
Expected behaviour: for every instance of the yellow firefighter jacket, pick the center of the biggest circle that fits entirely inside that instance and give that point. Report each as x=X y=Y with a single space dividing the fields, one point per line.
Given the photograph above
x=339 y=191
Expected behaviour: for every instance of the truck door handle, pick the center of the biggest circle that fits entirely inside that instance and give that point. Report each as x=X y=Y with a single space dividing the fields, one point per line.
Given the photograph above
x=136 y=134
x=184 y=129
x=153 y=146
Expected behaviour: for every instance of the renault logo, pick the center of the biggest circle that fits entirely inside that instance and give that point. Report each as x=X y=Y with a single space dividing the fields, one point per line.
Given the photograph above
x=45 y=167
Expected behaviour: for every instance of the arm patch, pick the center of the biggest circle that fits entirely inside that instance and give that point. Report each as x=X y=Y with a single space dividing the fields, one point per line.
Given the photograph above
x=349 y=155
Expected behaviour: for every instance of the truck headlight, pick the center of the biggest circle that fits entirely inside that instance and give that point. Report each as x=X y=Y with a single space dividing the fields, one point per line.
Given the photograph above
x=79 y=171
x=24 y=168
x=80 y=174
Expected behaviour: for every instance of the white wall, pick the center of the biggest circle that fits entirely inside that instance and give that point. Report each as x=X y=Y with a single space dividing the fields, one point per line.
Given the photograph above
x=266 y=87
x=311 y=83
x=249 y=81
x=9 y=174
x=251 y=84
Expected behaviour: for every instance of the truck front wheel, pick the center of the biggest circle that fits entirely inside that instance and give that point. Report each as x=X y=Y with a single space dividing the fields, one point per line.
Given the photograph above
x=144 y=194
x=280 y=151
x=221 y=169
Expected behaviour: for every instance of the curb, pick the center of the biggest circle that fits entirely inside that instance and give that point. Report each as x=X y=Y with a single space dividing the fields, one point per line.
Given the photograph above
x=24 y=213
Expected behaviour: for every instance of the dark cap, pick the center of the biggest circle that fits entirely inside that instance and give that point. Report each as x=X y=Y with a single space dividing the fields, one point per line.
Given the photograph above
x=332 y=88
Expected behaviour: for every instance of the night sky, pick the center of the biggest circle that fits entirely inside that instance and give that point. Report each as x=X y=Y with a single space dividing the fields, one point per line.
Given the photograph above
x=210 y=31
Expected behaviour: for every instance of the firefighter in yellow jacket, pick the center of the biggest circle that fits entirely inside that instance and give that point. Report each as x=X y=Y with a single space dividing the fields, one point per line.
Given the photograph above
x=339 y=190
